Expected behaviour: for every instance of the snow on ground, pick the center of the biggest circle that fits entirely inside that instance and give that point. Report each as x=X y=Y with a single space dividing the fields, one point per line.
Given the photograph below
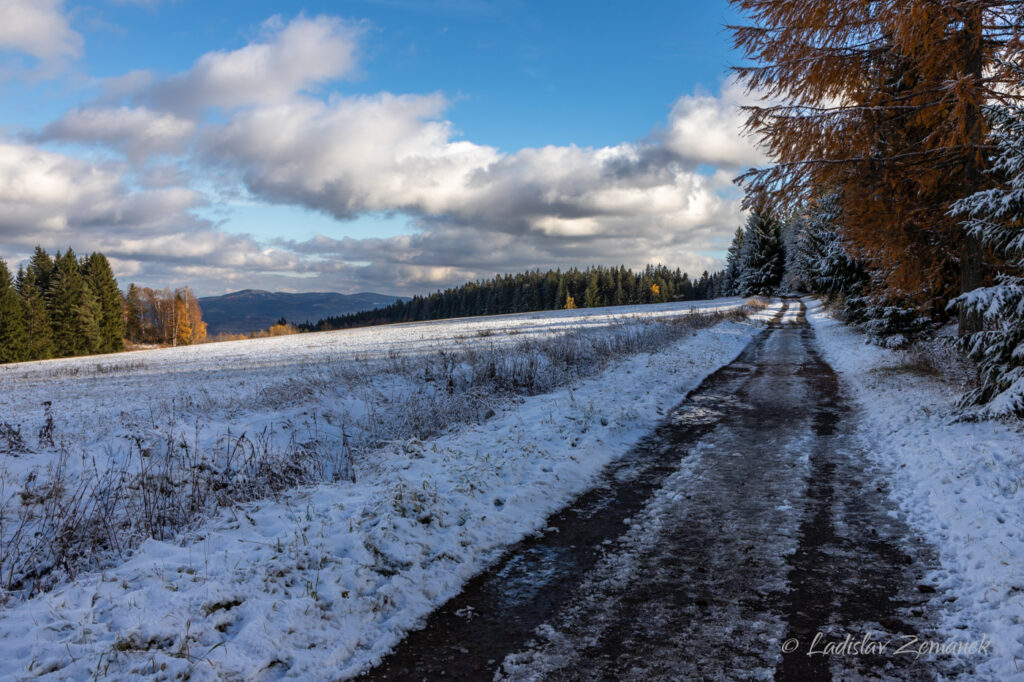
x=319 y=582
x=349 y=344
x=166 y=435
x=100 y=398
x=960 y=484
x=763 y=309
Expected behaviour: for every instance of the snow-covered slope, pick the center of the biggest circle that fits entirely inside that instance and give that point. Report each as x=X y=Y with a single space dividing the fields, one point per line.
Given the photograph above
x=960 y=484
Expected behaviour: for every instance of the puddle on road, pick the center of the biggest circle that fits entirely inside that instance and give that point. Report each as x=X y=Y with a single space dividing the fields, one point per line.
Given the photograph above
x=527 y=573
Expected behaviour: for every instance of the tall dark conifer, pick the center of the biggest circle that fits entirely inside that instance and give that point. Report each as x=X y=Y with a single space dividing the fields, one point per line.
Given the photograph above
x=89 y=315
x=110 y=314
x=41 y=267
x=36 y=316
x=69 y=308
x=133 y=314
x=13 y=339
x=592 y=294
x=762 y=260
x=732 y=263
x=996 y=219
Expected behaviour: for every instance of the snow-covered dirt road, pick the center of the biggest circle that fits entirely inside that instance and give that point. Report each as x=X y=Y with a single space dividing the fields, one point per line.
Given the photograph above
x=742 y=539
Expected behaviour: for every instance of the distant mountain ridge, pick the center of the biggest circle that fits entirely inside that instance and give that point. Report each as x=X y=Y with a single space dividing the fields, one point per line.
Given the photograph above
x=252 y=309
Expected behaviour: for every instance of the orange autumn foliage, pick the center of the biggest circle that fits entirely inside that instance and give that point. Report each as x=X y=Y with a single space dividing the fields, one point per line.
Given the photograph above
x=882 y=101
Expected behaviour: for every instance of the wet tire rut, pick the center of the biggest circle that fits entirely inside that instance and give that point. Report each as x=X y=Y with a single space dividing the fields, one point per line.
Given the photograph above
x=743 y=521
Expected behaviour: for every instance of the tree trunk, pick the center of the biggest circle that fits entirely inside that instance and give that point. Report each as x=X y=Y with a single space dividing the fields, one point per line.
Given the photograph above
x=971 y=263
x=971 y=252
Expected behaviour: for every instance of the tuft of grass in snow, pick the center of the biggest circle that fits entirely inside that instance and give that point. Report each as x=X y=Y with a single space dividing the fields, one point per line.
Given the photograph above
x=934 y=358
x=758 y=302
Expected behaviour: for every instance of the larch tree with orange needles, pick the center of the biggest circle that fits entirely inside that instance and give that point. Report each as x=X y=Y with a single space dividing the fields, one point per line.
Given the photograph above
x=885 y=101
x=182 y=324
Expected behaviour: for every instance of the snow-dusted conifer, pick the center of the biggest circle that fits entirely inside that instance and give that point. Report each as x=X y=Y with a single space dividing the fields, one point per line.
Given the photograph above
x=762 y=259
x=821 y=261
x=732 y=264
x=996 y=217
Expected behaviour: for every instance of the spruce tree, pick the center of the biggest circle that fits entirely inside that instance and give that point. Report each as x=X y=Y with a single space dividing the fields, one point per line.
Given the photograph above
x=73 y=332
x=762 y=259
x=133 y=314
x=41 y=267
x=996 y=218
x=111 y=324
x=792 y=279
x=562 y=294
x=686 y=288
x=664 y=294
x=619 y=297
x=37 y=318
x=820 y=259
x=732 y=264
x=89 y=315
x=13 y=339
x=592 y=294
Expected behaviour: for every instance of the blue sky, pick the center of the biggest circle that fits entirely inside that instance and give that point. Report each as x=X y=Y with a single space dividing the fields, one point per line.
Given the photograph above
x=379 y=144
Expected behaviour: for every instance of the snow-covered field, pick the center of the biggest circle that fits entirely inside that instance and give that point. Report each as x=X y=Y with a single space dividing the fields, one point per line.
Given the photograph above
x=276 y=386
x=318 y=581
x=363 y=343
x=960 y=484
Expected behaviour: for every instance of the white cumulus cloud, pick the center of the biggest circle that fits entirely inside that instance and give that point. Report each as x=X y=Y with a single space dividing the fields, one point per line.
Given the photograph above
x=38 y=28
x=707 y=129
x=137 y=131
x=394 y=153
x=351 y=155
x=290 y=58
x=55 y=198
x=59 y=201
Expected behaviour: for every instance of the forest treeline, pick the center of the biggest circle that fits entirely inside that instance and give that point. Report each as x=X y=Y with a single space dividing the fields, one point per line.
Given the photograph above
x=535 y=290
x=894 y=136
x=62 y=306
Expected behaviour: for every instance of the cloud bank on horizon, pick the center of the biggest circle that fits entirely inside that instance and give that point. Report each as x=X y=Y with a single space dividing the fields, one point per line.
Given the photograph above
x=138 y=171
